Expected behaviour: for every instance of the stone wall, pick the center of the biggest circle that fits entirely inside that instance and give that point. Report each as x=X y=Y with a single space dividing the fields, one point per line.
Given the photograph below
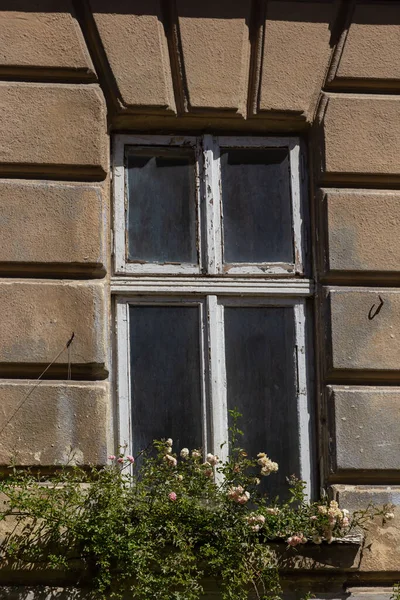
x=71 y=74
x=54 y=249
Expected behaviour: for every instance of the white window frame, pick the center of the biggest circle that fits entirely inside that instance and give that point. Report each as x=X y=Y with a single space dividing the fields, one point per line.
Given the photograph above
x=212 y=372
x=242 y=285
x=123 y=358
x=209 y=209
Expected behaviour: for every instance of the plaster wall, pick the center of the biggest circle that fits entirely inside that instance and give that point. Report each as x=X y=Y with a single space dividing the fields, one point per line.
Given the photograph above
x=74 y=73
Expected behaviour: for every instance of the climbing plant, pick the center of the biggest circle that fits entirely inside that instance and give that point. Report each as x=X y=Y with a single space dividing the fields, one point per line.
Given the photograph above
x=158 y=524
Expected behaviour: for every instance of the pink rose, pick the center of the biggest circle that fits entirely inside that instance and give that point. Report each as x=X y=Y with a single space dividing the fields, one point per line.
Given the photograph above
x=212 y=459
x=238 y=494
x=120 y=460
x=170 y=460
x=244 y=498
x=295 y=540
x=235 y=492
x=172 y=496
x=130 y=459
x=111 y=457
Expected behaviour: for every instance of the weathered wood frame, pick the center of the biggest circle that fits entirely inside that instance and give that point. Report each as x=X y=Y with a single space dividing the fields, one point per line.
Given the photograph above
x=211 y=285
x=212 y=368
x=120 y=188
x=208 y=207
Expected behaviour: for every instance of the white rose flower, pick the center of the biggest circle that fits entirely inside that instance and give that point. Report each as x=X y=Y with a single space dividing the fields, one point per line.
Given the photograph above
x=212 y=459
x=171 y=460
x=273 y=511
x=317 y=539
x=261 y=519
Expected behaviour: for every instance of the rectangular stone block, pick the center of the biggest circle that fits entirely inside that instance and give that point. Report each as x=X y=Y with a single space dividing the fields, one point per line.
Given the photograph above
x=382 y=539
x=48 y=128
x=363 y=333
x=369 y=593
x=39 y=317
x=372 y=49
x=50 y=423
x=216 y=52
x=360 y=138
x=42 y=39
x=364 y=427
x=362 y=231
x=136 y=46
x=357 y=497
x=300 y=32
x=52 y=227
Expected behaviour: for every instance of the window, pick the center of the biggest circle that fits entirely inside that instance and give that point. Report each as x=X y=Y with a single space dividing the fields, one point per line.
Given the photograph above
x=210 y=286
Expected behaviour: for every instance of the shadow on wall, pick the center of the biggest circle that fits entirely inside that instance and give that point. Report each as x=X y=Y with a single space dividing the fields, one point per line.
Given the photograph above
x=41 y=593
x=284 y=10
x=291 y=10
x=231 y=59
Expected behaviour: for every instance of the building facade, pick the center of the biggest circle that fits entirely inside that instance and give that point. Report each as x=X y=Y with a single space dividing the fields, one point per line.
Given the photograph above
x=265 y=134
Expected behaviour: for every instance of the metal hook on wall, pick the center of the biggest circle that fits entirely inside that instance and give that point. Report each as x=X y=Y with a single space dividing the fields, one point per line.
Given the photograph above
x=371 y=314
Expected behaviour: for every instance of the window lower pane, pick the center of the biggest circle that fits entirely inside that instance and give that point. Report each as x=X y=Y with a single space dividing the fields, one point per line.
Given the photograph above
x=165 y=375
x=261 y=384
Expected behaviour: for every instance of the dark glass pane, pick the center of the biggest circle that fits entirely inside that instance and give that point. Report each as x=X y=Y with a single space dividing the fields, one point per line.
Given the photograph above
x=162 y=205
x=165 y=375
x=260 y=370
x=256 y=206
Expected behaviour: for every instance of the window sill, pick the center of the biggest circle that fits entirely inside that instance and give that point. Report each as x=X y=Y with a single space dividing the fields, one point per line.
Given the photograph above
x=341 y=556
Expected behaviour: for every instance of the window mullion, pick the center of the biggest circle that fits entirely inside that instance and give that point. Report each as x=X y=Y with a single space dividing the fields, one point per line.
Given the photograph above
x=295 y=178
x=218 y=398
x=119 y=191
x=204 y=370
x=303 y=408
x=123 y=375
x=212 y=199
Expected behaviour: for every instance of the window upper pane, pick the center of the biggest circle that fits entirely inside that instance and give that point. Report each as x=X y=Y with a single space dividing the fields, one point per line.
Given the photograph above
x=165 y=375
x=161 y=205
x=256 y=199
x=261 y=384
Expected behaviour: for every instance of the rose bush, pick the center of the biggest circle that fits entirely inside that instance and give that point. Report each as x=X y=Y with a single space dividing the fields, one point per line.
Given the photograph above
x=159 y=523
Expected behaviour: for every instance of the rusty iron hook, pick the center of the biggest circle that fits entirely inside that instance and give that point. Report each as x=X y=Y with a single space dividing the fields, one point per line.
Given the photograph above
x=377 y=311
